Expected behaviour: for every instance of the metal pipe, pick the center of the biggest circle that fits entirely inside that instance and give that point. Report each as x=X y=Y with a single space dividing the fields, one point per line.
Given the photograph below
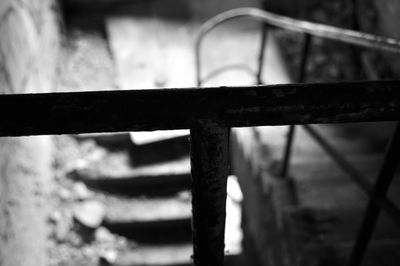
x=209 y=159
x=356 y=53
x=159 y=109
x=288 y=151
x=198 y=67
x=261 y=55
x=381 y=187
x=302 y=73
x=321 y=30
x=305 y=52
x=353 y=37
x=355 y=16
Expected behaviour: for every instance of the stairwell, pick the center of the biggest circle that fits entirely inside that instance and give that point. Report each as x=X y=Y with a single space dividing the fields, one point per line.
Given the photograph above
x=148 y=202
x=142 y=180
x=136 y=185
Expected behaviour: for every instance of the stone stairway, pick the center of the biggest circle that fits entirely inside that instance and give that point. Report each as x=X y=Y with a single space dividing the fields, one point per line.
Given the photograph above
x=330 y=206
x=143 y=179
x=149 y=204
x=317 y=211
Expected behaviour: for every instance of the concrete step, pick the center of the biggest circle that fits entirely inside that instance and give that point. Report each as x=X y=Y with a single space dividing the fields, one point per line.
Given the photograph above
x=305 y=224
x=166 y=255
x=90 y=13
x=357 y=137
x=378 y=253
x=176 y=230
x=374 y=135
x=317 y=236
x=344 y=138
x=112 y=141
x=144 y=137
x=143 y=209
x=331 y=206
x=321 y=252
x=322 y=184
x=341 y=138
x=159 y=146
x=150 y=220
x=165 y=219
x=145 y=147
x=157 y=179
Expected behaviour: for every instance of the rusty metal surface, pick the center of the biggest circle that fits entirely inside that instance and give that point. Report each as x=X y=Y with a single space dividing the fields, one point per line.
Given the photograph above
x=209 y=158
x=143 y=110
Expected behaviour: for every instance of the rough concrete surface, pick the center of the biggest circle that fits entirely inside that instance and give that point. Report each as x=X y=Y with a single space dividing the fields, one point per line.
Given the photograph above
x=28 y=59
x=25 y=172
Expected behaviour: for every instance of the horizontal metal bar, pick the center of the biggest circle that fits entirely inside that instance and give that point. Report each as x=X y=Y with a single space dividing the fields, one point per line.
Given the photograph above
x=381 y=202
x=144 y=110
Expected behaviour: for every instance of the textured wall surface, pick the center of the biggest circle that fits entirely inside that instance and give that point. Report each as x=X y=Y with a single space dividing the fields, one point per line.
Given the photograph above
x=265 y=198
x=28 y=59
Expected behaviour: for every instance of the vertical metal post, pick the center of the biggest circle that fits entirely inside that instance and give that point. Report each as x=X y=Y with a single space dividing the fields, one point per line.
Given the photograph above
x=356 y=51
x=288 y=151
x=302 y=74
x=209 y=159
x=264 y=39
x=292 y=129
x=355 y=16
x=261 y=55
x=385 y=177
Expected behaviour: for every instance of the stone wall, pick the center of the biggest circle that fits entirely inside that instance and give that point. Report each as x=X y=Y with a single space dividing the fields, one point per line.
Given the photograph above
x=28 y=63
x=265 y=196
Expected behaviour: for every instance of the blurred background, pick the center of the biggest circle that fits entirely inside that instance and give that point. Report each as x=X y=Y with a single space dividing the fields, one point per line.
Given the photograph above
x=124 y=199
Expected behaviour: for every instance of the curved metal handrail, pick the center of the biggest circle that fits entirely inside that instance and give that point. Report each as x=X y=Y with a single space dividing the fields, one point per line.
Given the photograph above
x=320 y=30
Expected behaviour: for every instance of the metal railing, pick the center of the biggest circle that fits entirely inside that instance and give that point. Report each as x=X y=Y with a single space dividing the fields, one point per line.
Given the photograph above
x=308 y=28
x=377 y=192
x=208 y=113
